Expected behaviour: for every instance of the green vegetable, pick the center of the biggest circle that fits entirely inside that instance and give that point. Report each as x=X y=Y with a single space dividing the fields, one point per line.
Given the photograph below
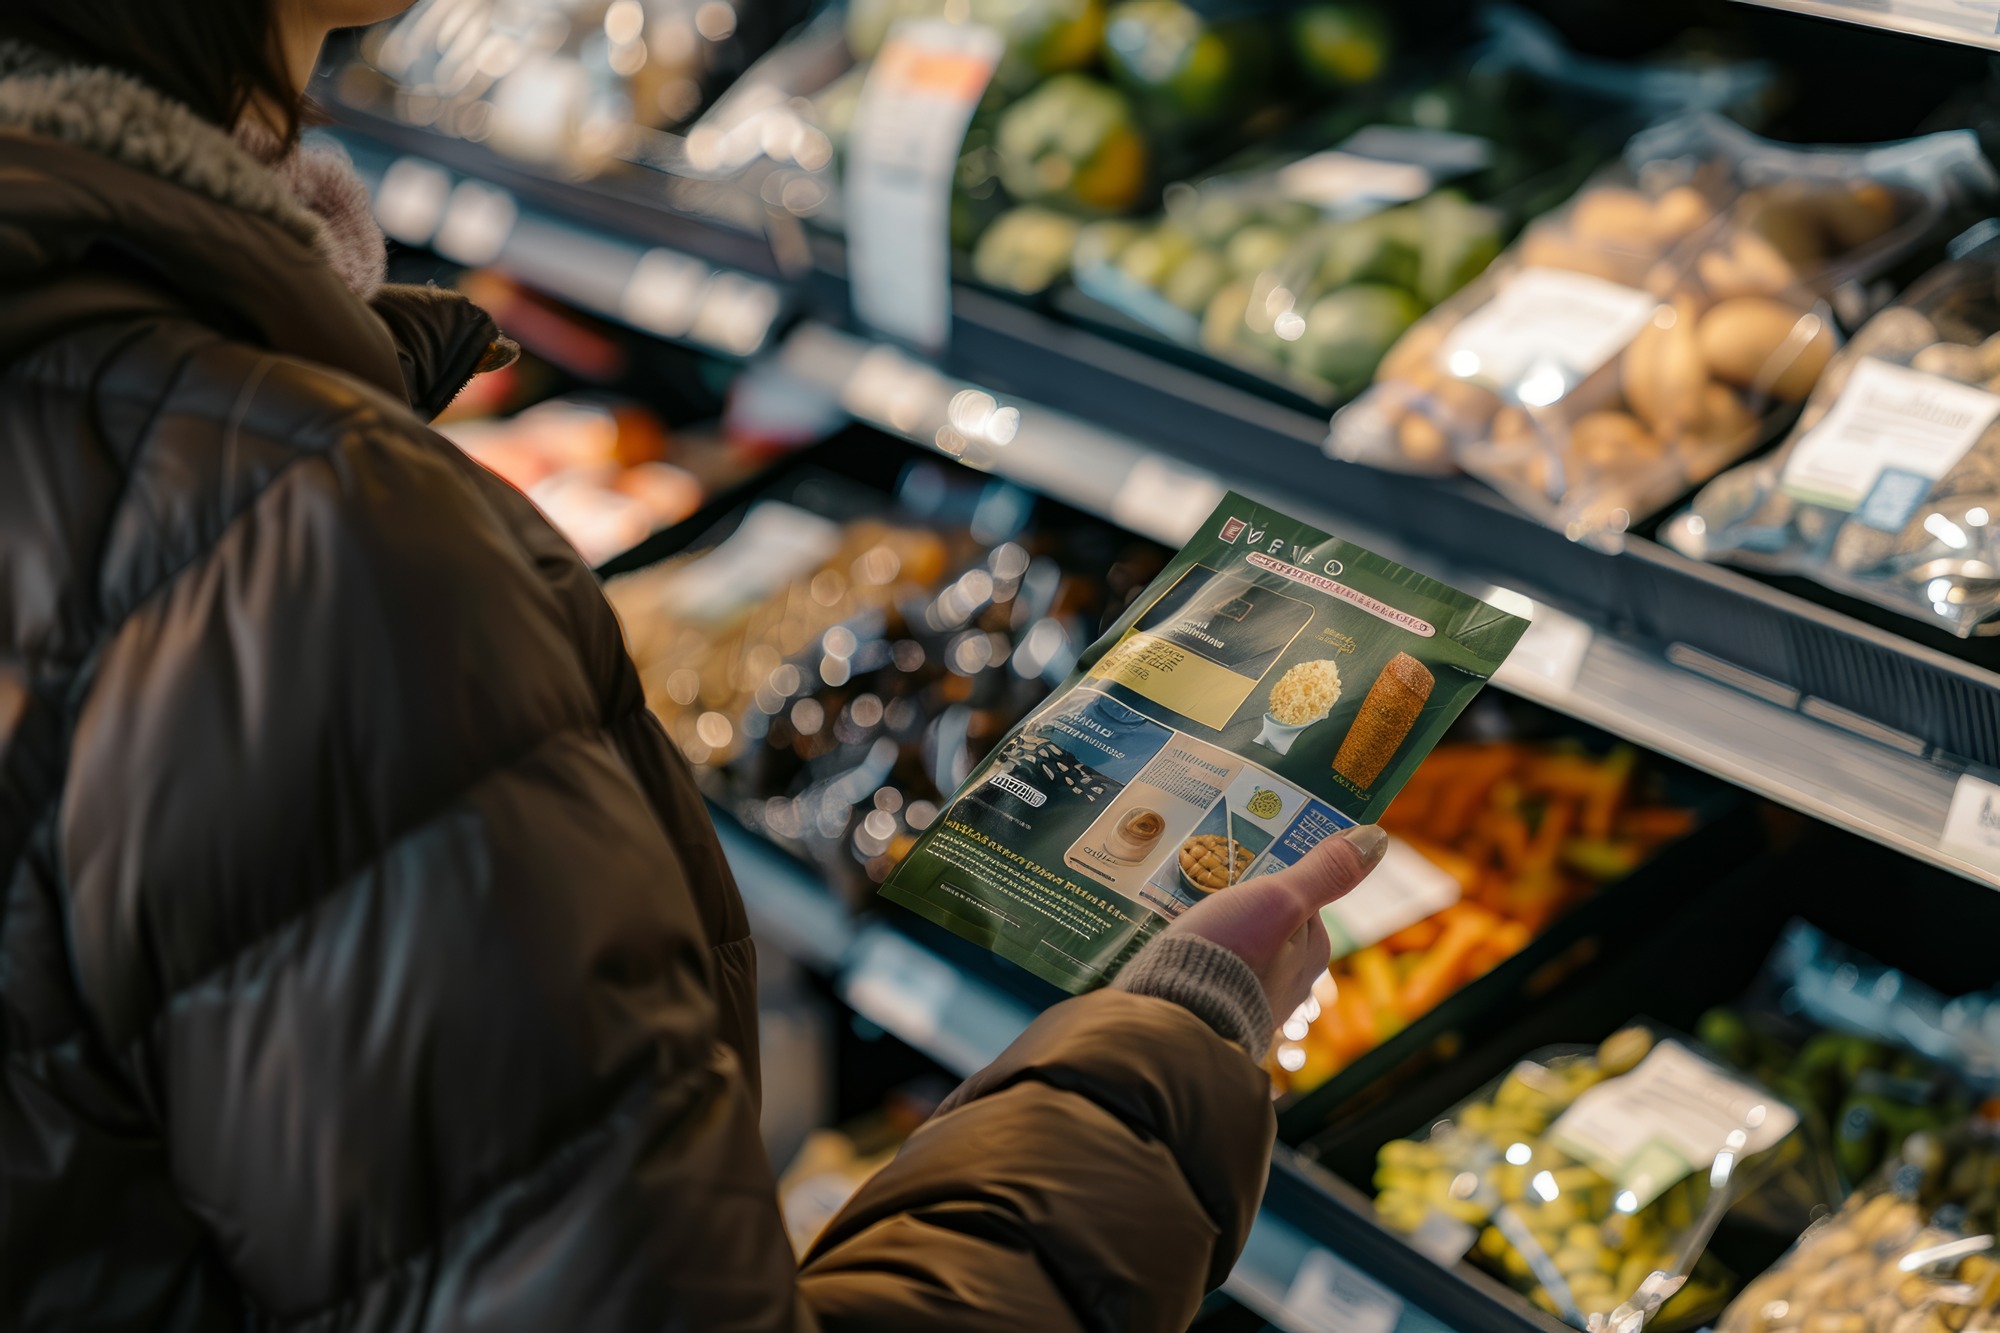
x=1347 y=332
x=1072 y=140
x=1185 y=71
x=1026 y=249
x=1340 y=46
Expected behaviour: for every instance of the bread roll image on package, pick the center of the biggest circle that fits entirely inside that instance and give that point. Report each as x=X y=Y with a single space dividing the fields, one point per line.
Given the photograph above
x=1273 y=686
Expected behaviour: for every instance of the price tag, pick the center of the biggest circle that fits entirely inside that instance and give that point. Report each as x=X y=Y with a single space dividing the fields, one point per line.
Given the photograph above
x=1330 y=1295
x=1972 y=826
x=411 y=199
x=1382 y=165
x=1163 y=501
x=736 y=314
x=901 y=988
x=664 y=292
x=477 y=223
x=908 y=129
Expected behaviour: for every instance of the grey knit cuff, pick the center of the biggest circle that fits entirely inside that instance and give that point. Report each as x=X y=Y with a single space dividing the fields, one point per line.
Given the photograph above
x=1209 y=981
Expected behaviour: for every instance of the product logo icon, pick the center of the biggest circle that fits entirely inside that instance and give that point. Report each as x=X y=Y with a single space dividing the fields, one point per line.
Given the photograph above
x=1018 y=789
x=1232 y=529
x=1265 y=804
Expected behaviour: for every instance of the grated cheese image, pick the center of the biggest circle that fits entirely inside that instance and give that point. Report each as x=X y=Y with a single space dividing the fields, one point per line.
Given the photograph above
x=1305 y=694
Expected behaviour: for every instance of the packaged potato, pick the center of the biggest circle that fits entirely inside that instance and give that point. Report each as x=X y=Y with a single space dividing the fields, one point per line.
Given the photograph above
x=1888 y=486
x=1652 y=332
x=1273 y=686
x=1591 y=1179
x=1883 y=1264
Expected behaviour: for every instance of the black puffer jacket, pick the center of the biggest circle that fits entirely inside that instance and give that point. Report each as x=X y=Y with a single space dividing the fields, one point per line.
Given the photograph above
x=366 y=958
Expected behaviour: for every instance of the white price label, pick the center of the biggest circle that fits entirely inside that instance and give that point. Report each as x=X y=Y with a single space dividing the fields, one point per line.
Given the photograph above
x=902 y=988
x=664 y=293
x=1544 y=332
x=1330 y=1295
x=1550 y=653
x=1972 y=825
x=1401 y=891
x=908 y=130
x=1892 y=433
x=477 y=223
x=410 y=200
x=1163 y=501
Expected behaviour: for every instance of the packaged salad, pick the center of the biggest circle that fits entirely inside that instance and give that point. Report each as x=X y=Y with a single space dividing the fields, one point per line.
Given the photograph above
x=1888 y=486
x=1658 y=327
x=1273 y=686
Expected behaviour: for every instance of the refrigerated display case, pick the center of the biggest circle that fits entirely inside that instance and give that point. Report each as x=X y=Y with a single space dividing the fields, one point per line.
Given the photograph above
x=1843 y=765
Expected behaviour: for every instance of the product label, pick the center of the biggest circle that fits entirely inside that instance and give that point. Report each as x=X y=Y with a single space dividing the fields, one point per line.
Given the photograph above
x=1544 y=333
x=1972 y=825
x=1380 y=166
x=1888 y=437
x=1330 y=1295
x=908 y=129
x=1668 y=1118
x=1401 y=891
x=1272 y=687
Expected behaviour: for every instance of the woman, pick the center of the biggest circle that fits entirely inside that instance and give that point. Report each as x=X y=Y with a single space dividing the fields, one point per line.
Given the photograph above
x=366 y=958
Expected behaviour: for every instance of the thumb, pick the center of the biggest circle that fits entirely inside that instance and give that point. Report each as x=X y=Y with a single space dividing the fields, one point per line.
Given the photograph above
x=1334 y=866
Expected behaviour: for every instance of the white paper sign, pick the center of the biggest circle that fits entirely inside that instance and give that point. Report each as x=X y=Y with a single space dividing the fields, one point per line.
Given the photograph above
x=1401 y=891
x=1668 y=1118
x=1330 y=1295
x=908 y=129
x=1891 y=433
x=1972 y=826
x=1544 y=333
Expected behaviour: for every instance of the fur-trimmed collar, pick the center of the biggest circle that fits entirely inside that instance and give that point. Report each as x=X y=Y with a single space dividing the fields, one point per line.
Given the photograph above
x=311 y=193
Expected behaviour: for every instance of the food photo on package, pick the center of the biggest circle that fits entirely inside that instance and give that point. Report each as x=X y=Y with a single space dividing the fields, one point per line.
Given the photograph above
x=1272 y=687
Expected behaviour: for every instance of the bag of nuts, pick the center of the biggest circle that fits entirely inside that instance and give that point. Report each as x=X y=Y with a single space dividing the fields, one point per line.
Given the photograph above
x=1656 y=328
x=1888 y=488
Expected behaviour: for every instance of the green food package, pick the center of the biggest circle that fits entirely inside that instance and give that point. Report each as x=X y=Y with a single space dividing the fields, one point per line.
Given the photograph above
x=1273 y=686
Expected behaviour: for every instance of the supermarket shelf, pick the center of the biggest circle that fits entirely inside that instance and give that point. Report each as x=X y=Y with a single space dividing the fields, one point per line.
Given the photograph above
x=790 y=908
x=1844 y=722
x=1968 y=22
x=1704 y=711
x=627 y=258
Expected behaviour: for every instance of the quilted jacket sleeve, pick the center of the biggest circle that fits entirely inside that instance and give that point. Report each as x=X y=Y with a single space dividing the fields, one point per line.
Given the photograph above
x=417 y=982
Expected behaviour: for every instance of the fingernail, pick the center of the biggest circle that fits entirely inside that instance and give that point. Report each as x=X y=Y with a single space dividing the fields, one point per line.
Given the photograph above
x=1369 y=840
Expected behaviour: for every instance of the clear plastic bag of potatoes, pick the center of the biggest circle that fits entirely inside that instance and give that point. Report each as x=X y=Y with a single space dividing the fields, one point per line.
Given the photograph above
x=1879 y=1265
x=1654 y=330
x=1888 y=488
x=1591 y=1179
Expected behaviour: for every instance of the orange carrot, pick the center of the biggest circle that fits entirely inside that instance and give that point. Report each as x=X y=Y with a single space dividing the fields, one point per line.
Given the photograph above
x=1440 y=972
x=1414 y=938
x=1375 y=972
x=1655 y=823
x=1602 y=805
x=1456 y=864
x=1357 y=1023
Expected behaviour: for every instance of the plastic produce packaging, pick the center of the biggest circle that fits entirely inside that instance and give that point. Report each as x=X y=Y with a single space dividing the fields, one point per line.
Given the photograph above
x=1304 y=268
x=1592 y=1179
x=1882 y=1264
x=1888 y=488
x=1658 y=327
x=1271 y=687
x=1514 y=834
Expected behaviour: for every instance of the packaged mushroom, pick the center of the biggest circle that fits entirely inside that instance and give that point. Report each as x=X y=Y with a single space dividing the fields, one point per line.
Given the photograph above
x=1273 y=686
x=1888 y=488
x=1654 y=330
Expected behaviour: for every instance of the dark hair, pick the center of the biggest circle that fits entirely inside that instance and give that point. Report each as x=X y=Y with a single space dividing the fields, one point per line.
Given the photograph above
x=214 y=55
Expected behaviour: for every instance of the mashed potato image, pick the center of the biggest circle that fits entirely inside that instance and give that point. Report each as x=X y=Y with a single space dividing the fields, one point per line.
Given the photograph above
x=1305 y=694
